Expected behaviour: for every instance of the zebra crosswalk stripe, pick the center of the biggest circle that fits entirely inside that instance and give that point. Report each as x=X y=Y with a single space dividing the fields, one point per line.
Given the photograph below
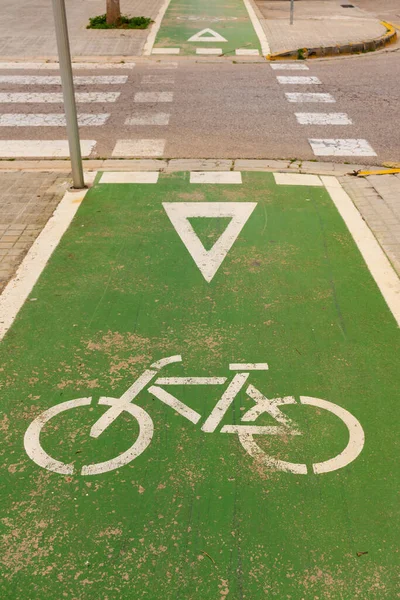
x=50 y=120
x=55 y=98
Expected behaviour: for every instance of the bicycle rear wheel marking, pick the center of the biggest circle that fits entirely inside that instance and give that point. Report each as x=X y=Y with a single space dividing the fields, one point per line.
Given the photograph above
x=36 y=453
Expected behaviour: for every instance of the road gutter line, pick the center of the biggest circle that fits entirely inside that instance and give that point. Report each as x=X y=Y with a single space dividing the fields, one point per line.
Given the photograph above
x=148 y=47
x=266 y=50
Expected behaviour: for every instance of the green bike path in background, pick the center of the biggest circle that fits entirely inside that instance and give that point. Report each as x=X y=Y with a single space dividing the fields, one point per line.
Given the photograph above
x=186 y=18
x=194 y=517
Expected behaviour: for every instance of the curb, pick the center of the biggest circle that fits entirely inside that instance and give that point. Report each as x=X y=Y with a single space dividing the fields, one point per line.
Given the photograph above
x=358 y=48
x=186 y=164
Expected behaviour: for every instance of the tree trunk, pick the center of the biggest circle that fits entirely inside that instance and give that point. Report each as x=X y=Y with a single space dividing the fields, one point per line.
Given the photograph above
x=113 y=12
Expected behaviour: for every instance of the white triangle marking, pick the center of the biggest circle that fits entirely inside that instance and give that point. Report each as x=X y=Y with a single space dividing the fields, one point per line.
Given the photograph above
x=208 y=261
x=213 y=36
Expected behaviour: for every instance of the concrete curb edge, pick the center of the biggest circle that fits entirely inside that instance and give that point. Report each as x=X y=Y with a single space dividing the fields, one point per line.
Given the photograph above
x=357 y=48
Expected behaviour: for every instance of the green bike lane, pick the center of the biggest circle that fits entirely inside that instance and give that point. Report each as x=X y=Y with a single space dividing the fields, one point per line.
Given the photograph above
x=232 y=277
x=207 y=27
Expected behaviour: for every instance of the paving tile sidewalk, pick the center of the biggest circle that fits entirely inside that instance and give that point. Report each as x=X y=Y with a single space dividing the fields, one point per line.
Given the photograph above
x=27 y=201
x=317 y=24
x=30 y=29
x=377 y=197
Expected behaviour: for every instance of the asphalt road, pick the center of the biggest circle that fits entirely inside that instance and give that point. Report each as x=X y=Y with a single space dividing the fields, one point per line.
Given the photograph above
x=223 y=109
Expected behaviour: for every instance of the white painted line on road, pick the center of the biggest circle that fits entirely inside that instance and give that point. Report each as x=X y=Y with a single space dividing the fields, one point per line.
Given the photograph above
x=228 y=177
x=309 y=97
x=341 y=147
x=18 y=289
x=131 y=177
x=133 y=148
x=99 y=66
x=41 y=148
x=149 y=119
x=148 y=46
x=323 y=119
x=292 y=80
x=50 y=120
x=157 y=79
x=377 y=262
x=258 y=28
x=247 y=52
x=166 y=51
x=56 y=98
x=297 y=179
x=153 y=97
x=191 y=380
x=224 y=402
x=289 y=66
x=51 y=66
x=216 y=51
x=248 y=367
x=163 y=66
x=174 y=403
x=55 y=80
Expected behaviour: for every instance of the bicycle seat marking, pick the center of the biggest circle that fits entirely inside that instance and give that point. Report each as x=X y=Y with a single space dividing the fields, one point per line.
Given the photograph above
x=246 y=431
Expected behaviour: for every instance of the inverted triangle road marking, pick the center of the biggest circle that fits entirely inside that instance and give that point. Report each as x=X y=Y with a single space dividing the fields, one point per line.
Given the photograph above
x=212 y=36
x=208 y=261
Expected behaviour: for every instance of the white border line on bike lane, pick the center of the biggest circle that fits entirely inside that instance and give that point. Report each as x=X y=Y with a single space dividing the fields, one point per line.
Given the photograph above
x=18 y=289
x=266 y=50
x=148 y=47
x=376 y=260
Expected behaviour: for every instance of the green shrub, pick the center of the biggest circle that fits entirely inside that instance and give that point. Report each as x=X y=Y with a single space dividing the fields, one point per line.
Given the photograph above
x=100 y=22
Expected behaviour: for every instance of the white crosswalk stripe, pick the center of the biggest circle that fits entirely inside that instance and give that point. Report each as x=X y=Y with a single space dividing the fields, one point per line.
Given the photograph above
x=153 y=97
x=55 y=80
x=341 y=147
x=289 y=66
x=55 y=98
x=157 y=79
x=148 y=119
x=309 y=97
x=35 y=98
x=292 y=80
x=50 y=120
x=134 y=148
x=323 y=119
x=54 y=66
x=41 y=148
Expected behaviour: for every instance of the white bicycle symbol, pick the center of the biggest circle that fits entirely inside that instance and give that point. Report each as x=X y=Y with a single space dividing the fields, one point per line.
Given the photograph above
x=246 y=433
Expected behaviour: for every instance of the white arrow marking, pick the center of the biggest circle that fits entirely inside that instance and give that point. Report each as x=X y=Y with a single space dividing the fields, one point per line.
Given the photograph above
x=202 y=36
x=208 y=261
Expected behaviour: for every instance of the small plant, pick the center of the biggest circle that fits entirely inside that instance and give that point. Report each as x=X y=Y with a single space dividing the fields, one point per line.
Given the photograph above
x=124 y=22
x=301 y=54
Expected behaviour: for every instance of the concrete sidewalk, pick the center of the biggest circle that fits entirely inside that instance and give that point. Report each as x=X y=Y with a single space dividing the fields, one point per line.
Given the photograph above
x=28 y=29
x=318 y=25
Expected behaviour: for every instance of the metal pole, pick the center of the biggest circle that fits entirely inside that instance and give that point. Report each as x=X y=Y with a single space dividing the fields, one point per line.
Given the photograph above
x=291 y=11
x=64 y=57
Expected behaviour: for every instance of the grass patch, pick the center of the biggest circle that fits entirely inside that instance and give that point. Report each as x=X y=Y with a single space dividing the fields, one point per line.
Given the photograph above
x=100 y=22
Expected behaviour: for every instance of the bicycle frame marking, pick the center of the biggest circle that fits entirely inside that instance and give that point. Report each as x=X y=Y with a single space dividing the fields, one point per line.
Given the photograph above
x=245 y=433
